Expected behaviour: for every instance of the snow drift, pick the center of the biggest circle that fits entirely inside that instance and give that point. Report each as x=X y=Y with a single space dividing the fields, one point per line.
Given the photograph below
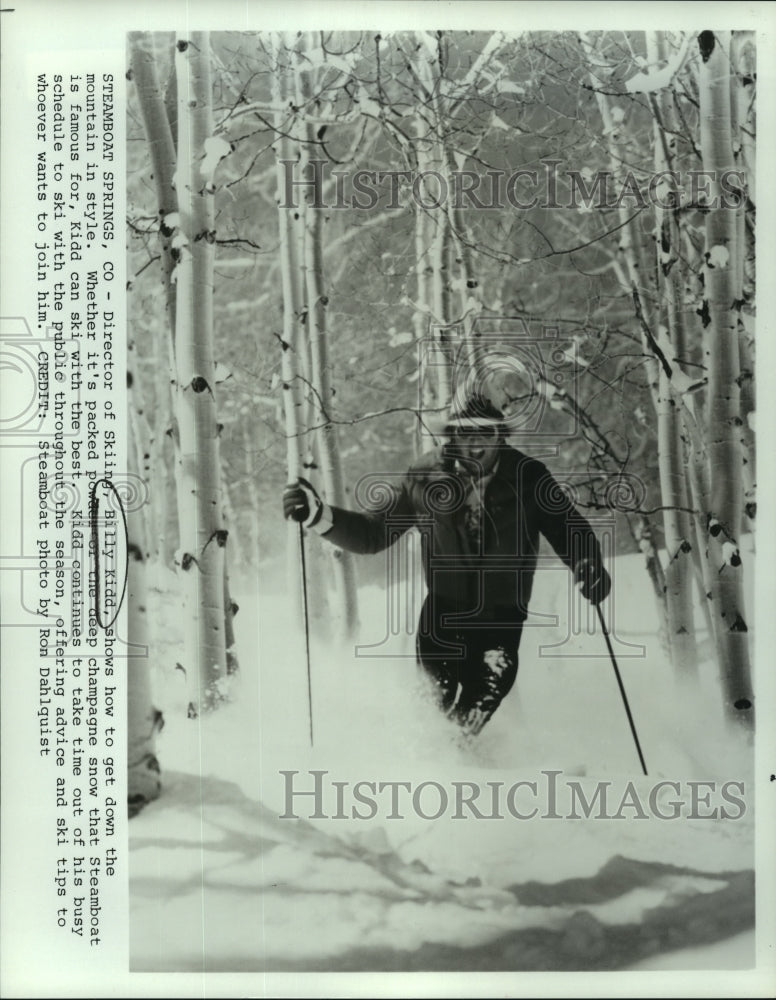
x=220 y=882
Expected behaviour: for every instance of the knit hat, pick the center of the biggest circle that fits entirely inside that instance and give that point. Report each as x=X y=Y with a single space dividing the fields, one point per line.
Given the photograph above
x=476 y=412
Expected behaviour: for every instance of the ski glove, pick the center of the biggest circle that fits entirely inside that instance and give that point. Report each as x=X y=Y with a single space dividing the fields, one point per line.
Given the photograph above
x=594 y=579
x=301 y=503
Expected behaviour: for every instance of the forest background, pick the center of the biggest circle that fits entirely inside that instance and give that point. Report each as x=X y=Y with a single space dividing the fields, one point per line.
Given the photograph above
x=334 y=234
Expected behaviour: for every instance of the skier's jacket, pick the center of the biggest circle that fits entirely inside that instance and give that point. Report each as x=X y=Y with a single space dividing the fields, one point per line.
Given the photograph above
x=470 y=575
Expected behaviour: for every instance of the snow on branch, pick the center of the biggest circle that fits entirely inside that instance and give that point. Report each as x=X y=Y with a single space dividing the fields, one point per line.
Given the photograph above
x=492 y=45
x=658 y=79
x=215 y=150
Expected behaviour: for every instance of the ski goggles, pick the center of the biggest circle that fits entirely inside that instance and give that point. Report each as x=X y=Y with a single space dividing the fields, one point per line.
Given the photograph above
x=486 y=432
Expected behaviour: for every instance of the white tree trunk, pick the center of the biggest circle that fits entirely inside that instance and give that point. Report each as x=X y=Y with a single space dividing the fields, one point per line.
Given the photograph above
x=628 y=235
x=291 y=341
x=743 y=123
x=161 y=145
x=341 y=562
x=677 y=525
x=162 y=151
x=463 y=281
x=203 y=537
x=431 y=315
x=441 y=260
x=143 y=720
x=422 y=318
x=721 y=355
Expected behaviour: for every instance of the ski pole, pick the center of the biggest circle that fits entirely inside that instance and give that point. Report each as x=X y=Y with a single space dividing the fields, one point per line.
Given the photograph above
x=306 y=617
x=622 y=687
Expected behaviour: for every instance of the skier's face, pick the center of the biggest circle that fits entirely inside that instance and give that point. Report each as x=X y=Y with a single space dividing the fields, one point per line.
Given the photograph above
x=477 y=448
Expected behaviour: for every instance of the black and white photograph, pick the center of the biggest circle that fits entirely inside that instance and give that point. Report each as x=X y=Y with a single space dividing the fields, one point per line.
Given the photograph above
x=387 y=573
x=441 y=367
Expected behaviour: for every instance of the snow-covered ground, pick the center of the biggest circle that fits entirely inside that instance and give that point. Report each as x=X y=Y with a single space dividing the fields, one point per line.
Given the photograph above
x=219 y=881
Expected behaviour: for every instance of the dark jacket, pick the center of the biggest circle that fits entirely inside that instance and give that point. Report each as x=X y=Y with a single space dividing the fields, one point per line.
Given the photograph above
x=521 y=500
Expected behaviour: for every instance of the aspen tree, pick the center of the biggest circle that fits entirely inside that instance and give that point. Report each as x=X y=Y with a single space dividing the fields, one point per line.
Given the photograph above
x=203 y=536
x=161 y=146
x=179 y=128
x=677 y=527
x=291 y=342
x=341 y=562
x=143 y=720
x=721 y=352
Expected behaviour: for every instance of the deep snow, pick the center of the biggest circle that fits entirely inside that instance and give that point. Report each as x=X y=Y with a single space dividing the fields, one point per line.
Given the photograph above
x=220 y=882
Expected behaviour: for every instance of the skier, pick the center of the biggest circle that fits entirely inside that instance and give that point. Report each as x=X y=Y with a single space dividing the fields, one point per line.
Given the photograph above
x=481 y=505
